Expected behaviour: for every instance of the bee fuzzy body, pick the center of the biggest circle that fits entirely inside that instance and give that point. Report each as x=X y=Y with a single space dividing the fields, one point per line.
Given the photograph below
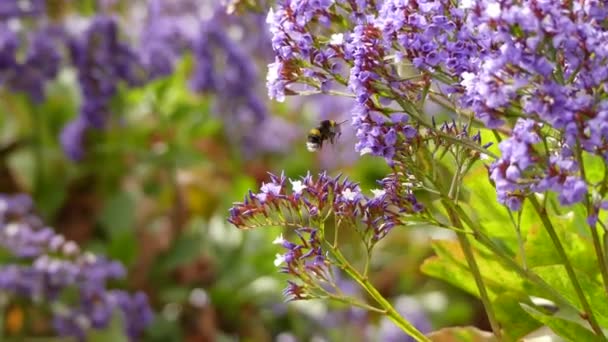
x=327 y=130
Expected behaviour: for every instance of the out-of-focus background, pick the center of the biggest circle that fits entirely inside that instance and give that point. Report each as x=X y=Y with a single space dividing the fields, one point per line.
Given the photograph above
x=134 y=125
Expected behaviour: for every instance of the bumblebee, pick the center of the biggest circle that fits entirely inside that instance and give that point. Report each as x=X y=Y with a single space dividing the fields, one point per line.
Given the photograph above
x=327 y=130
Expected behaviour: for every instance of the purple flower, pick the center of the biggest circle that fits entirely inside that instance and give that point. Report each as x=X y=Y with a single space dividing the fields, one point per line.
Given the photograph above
x=21 y=8
x=41 y=63
x=73 y=137
x=325 y=193
x=46 y=265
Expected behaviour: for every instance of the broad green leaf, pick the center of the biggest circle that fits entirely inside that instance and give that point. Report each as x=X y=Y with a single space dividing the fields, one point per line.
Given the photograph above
x=450 y=265
x=562 y=327
x=557 y=277
x=454 y=274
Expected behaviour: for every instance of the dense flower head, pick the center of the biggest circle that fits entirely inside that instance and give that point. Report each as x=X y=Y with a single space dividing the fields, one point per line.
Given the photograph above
x=522 y=168
x=45 y=265
x=304 y=259
x=314 y=41
x=170 y=29
x=548 y=60
x=315 y=197
x=11 y=9
x=40 y=63
x=102 y=61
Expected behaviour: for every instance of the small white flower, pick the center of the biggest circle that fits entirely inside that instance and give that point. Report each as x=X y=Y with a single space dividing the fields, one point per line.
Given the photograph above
x=493 y=10
x=279 y=240
x=70 y=248
x=12 y=229
x=279 y=259
x=89 y=258
x=349 y=195
x=336 y=39
x=271 y=188
x=270 y=17
x=56 y=242
x=378 y=192
x=467 y=79
x=365 y=150
x=198 y=298
x=466 y=4
x=297 y=186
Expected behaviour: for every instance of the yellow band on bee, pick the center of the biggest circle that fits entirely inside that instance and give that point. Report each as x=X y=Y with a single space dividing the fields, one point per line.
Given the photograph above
x=315 y=131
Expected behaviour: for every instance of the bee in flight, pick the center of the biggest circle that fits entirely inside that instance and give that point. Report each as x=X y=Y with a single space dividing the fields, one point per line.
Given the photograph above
x=327 y=130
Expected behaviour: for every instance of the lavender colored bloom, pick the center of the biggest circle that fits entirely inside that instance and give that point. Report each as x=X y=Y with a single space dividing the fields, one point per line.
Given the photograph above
x=10 y=9
x=72 y=138
x=48 y=265
x=40 y=64
x=325 y=193
x=170 y=30
x=102 y=62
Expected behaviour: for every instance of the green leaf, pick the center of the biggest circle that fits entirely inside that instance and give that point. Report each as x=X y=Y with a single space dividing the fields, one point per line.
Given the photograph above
x=118 y=214
x=450 y=265
x=562 y=327
x=557 y=277
x=186 y=249
x=123 y=246
x=594 y=167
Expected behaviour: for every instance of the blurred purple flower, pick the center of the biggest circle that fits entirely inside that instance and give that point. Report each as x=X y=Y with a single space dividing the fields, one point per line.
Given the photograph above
x=46 y=265
x=72 y=138
x=20 y=8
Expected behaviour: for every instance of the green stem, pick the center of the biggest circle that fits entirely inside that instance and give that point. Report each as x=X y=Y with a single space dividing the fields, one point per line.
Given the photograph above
x=597 y=246
x=562 y=253
x=600 y=256
x=394 y=316
x=465 y=244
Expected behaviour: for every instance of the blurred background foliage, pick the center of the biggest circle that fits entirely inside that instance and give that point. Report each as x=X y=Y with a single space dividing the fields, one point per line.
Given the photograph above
x=154 y=184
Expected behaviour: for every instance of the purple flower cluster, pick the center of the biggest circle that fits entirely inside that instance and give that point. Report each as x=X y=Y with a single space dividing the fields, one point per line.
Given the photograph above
x=299 y=54
x=226 y=68
x=375 y=215
x=380 y=135
x=373 y=39
x=40 y=64
x=171 y=28
x=102 y=62
x=544 y=61
x=45 y=265
x=522 y=168
x=547 y=62
x=10 y=9
x=304 y=260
